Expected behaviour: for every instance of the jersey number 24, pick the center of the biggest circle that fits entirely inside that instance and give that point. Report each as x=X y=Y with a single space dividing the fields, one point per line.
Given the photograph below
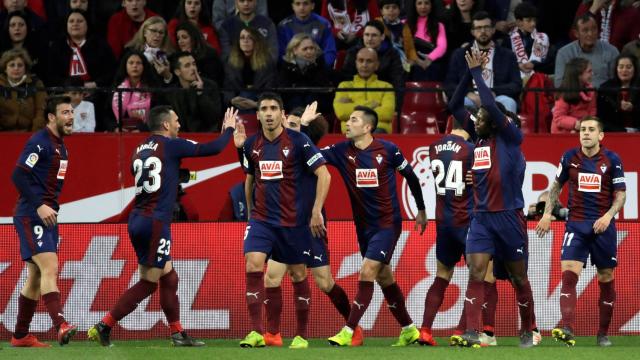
x=453 y=177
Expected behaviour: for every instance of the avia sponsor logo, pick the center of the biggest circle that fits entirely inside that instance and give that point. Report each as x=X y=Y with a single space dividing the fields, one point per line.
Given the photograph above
x=366 y=178
x=481 y=158
x=270 y=169
x=589 y=182
x=62 y=170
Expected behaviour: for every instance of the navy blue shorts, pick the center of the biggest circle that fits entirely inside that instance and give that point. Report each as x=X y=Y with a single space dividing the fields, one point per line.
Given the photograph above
x=450 y=244
x=319 y=252
x=151 y=239
x=580 y=241
x=502 y=234
x=378 y=244
x=287 y=245
x=35 y=237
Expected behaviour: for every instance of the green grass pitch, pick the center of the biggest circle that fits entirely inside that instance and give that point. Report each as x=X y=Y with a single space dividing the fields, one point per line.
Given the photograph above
x=625 y=347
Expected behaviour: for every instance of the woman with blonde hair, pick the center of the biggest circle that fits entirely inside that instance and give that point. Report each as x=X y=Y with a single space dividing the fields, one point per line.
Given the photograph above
x=249 y=68
x=152 y=39
x=22 y=98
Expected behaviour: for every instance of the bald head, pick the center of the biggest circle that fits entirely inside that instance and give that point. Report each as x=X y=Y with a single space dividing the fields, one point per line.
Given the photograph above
x=367 y=62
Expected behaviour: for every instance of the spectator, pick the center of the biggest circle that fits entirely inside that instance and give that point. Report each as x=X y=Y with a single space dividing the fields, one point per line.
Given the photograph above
x=588 y=46
x=500 y=73
x=532 y=48
x=383 y=102
x=246 y=16
x=348 y=19
x=393 y=24
x=80 y=53
x=35 y=22
x=617 y=20
x=22 y=97
x=124 y=24
x=305 y=20
x=619 y=97
x=633 y=47
x=152 y=39
x=390 y=65
x=16 y=35
x=458 y=22
x=503 y=14
x=303 y=66
x=196 y=12
x=425 y=41
x=556 y=19
x=579 y=101
x=197 y=104
x=84 y=114
x=248 y=70
x=223 y=9
x=134 y=72
x=190 y=39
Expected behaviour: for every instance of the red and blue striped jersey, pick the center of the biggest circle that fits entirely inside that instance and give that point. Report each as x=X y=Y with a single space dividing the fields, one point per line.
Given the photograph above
x=156 y=167
x=593 y=182
x=45 y=158
x=370 y=178
x=285 y=183
x=449 y=160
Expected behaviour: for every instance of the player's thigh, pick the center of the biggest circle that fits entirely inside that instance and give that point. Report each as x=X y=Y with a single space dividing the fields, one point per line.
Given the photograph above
x=510 y=232
x=575 y=241
x=479 y=238
x=382 y=243
x=35 y=237
x=151 y=240
x=604 y=248
x=292 y=245
x=450 y=244
x=259 y=237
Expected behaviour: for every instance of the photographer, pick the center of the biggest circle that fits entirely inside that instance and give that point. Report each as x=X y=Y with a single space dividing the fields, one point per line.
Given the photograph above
x=536 y=210
x=184 y=209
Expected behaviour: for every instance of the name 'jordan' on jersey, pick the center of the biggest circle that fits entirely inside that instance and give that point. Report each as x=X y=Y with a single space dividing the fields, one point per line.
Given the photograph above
x=593 y=182
x=449 y=160
x=285 y=183
x=370 y=178
x=45 y=157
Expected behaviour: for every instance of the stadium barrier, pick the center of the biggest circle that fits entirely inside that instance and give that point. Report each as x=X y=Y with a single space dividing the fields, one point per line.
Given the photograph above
x=97 y=264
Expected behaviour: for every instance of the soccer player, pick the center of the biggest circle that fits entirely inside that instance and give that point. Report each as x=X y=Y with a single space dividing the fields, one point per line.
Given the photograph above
x=368 y=166
x=38 y=176
x=285 y=167
x=597 y=192
x=450 y=159
x=498 y=227
x=156 y=163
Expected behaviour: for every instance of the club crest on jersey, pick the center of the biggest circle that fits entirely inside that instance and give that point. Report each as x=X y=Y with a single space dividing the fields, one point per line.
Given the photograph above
x=603 y=167
x=285 y=151
x=589 y=182
x=270 y=170
x=481 y=158
x=379 y=158
x=366 y=178
x=62 y=170
x=32 y=159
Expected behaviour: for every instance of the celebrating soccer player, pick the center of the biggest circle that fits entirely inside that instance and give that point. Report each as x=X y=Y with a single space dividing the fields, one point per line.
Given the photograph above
x=367 y=166
x=497 y=229
x=597 y=192
x=156 y=163
x=38 y=176
x=285 y=212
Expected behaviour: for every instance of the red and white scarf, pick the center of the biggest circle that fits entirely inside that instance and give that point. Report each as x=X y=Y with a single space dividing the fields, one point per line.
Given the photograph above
x=77 y=66
x=342 y=20
x=539 y=50
x=605 y=23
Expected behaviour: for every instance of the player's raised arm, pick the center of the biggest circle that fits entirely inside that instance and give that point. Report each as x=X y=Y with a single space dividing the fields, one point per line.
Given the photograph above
x=215 y=146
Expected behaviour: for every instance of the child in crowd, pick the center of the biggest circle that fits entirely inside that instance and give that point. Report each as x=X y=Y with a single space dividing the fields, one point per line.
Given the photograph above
x=572 y=105
x=84 y=116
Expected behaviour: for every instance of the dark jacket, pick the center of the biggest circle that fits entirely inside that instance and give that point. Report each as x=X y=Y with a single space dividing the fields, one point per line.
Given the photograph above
x=97 y=55
x=233 y=80
x=390 y=69
x=613 y=118
x=316 y=74
x=210 y=65
x=506 y=74
x=198 y=111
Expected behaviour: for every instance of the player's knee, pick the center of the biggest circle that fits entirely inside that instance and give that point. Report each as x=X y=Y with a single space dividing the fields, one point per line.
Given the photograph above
x=477 y=272
x=298 y=273
x=49 y=272
x=272 y=280
x=368 y=273
x=323 y=280
x=254 y=266
x=605 y=275
x=444 y=272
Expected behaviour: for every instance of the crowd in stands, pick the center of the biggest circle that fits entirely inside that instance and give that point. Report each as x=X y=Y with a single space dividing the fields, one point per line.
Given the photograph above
x=119 y=58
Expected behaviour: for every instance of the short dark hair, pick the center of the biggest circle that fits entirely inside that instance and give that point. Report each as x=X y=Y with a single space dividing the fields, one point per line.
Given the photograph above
x=481 y=15
x=525 y=10
x=53 y=102
x=593 y=118
x=583 y=19
x=297 y=111
x=370 y=116
x=382 y=3
x=270 y=96
x=175 y=59
x=157 y=116
x=312 y=1
x=73 y=82
x=376 y=24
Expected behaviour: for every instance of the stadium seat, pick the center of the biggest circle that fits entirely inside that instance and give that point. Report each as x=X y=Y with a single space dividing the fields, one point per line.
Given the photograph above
x=422 y=112
x=250 y=122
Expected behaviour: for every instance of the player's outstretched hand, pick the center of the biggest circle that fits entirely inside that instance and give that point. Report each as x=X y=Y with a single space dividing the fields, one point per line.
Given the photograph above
x=230 y=117
x=601 y=224
x=48 y=216
x=317 y=224
x=543 y=225
x=239 y=135
x=309 y=113
x=421 y=221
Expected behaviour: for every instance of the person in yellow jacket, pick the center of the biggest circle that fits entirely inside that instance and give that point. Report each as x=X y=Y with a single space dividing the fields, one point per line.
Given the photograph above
x=383 y=102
